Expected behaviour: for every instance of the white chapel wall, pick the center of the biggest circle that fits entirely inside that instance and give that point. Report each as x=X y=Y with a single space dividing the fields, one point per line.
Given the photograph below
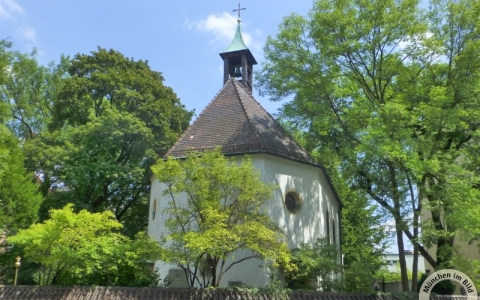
x=308 y=224
x=305 y=226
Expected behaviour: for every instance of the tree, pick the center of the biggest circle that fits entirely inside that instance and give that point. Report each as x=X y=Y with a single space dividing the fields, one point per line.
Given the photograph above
x=108 y=79
x=19 y=196
x=99 y=166
x=215 y=217
x=394 y=93
x=86 y=249
x=365 y=238
x=19 y=201
x=4 y=61
x=316 y=267
x=364 y=235
x=111 y=117
x=28 y=93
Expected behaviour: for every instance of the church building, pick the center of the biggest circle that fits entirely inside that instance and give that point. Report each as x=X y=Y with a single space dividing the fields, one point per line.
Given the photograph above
x=305 y=204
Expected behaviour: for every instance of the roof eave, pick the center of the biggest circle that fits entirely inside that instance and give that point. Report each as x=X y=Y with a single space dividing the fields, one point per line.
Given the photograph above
x=266 y=151
x=251 y=60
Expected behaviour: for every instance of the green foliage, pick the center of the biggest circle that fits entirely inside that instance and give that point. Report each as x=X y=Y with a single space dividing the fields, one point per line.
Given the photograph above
x=214 y=217
x=364 y=234
x=19 y=202
x=19 y=197
x=316 y=267
x=365 y=237
x=106 y=79
x=4 y=62
x=358 y=277
x=385 y=87
x=90 y=128
x=469 y=265
x=100 y=166
x=391 y=276
x=364 y=241
x=94 y=125
x=28 y=92
x=86 y=249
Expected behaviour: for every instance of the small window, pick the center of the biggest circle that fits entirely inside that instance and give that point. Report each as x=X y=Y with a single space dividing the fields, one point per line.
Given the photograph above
x=292 y=202
x=154 y=208
x=327 y=221
x=333 y=232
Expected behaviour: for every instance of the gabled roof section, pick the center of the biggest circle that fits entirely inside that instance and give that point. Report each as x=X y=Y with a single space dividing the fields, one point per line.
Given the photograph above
x=237 y=123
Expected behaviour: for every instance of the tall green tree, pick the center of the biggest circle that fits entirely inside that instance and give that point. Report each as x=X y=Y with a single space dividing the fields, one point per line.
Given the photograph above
x=393 y=91
x=100 y=166
x=317 y=266
x=214 y=217
x=19 y=196
x=19 y=200
x=106 y=78
x=111 y=117
x=29 y=91
x=364 y=235
x=86 y=249
x=4 y=62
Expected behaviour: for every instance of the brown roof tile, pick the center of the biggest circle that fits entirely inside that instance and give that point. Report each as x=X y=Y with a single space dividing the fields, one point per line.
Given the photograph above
x=237 y=123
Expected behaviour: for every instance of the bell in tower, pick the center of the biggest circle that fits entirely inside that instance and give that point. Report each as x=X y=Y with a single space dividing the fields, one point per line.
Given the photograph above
x=238 y=61
x=238 y=72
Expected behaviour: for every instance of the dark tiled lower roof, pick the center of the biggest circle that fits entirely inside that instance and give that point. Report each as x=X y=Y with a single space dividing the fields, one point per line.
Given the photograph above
x=236 y=122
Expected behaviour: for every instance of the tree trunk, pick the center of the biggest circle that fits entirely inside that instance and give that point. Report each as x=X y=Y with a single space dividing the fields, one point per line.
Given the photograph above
x=399 y=225
x=415 y=263
x=416 y=220
x=401 y=254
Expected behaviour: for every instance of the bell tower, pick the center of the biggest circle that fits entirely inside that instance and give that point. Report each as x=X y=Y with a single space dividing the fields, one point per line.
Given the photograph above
x=238 y=61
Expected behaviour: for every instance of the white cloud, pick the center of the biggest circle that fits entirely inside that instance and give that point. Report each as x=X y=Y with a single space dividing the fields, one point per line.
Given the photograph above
x=27 y=33
x=223 y=27
x=8 y=8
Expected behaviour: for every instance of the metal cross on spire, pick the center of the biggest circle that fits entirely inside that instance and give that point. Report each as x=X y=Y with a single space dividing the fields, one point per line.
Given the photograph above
x=239 y=9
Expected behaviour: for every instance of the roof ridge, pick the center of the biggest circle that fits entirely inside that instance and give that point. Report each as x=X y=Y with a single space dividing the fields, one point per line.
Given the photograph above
x=236 y=83
x=196 y=119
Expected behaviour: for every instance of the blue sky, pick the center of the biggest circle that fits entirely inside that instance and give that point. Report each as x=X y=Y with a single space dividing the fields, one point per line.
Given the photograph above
x=180 y=38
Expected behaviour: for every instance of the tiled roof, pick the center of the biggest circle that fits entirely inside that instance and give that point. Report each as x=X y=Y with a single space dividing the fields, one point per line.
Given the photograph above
x=237 y=123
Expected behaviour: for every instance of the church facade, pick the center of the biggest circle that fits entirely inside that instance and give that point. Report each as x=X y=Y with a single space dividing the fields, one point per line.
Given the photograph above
x=305 y=204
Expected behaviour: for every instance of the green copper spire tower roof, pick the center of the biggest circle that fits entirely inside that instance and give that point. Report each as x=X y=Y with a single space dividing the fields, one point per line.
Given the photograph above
x=238 y=61
x=237 y=43
x=238 y=46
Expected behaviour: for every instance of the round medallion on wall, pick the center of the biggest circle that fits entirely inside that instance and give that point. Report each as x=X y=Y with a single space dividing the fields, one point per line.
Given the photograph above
x=293 y=202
